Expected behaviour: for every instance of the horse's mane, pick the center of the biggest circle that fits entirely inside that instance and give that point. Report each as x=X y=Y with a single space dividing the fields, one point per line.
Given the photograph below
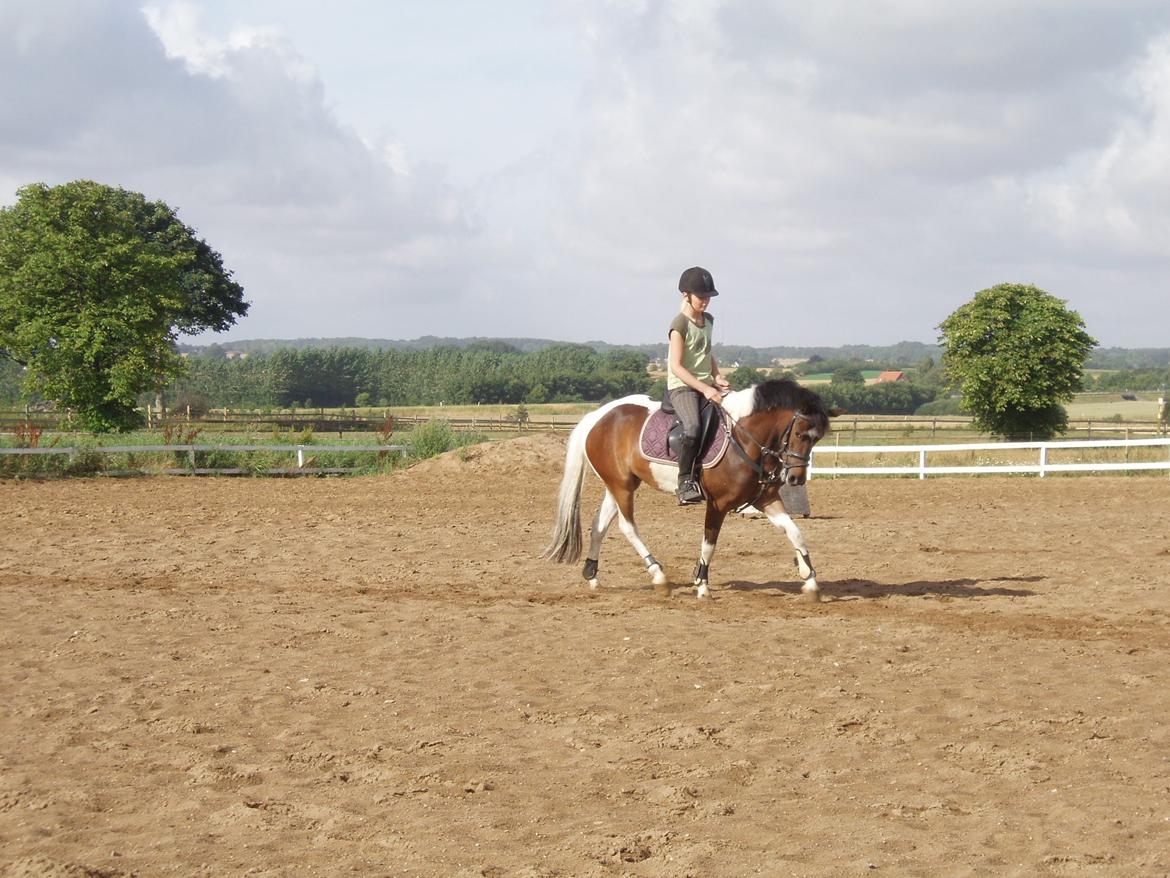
x=782 y=393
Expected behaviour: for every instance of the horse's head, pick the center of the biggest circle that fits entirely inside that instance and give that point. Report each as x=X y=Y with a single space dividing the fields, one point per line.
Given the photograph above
x=801 y=419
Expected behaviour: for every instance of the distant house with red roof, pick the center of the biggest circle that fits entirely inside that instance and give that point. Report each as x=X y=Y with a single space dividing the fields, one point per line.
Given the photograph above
x=889 y=377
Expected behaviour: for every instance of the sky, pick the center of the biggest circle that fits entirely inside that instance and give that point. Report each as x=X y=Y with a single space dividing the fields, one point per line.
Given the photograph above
x=850 y=173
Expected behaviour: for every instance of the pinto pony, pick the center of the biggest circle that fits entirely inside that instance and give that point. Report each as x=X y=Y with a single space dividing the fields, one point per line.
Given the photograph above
x=772 y=428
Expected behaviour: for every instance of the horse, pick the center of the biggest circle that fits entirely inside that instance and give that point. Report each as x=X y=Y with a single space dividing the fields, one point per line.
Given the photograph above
x=771 y=429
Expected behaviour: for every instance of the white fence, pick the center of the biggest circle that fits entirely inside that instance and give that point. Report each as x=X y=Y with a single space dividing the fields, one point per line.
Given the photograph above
x=1041 y=468
x=919 y=466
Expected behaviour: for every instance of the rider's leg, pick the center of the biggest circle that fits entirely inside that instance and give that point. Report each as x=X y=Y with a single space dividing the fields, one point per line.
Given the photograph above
x=686 y=404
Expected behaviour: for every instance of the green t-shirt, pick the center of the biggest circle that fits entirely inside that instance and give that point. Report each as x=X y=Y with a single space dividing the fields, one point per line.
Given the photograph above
x=696 y=355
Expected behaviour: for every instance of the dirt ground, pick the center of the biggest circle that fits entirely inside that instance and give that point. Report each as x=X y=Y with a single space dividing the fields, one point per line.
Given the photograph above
x=378 y=676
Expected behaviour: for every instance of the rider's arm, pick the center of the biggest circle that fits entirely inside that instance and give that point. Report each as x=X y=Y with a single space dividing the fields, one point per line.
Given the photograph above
x=684 y=375
x=717 y=376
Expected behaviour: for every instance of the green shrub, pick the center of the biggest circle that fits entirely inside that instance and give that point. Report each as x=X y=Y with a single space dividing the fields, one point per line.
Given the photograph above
x=85 y=460
x=431 y=438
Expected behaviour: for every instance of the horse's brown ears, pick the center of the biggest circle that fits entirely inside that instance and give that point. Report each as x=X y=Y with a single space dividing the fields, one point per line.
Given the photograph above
x=836 y=413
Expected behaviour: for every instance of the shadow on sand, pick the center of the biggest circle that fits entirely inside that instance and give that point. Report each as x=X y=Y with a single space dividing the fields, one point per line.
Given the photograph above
x=867 y=588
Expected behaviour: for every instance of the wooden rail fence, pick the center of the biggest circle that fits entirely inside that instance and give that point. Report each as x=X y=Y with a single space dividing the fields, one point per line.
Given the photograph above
x=227 y=420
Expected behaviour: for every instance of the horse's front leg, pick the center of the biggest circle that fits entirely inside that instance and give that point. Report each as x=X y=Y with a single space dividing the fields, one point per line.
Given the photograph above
x=711 y=527
x=780 y=517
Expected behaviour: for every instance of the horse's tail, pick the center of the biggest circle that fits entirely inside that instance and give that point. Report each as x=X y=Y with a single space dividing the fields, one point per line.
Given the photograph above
x=565 y=546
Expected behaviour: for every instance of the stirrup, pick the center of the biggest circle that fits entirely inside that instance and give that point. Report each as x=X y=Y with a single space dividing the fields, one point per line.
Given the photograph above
x=688 y=493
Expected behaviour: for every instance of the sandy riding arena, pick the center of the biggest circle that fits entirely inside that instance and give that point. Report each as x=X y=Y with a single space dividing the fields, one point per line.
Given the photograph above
x=379 y=677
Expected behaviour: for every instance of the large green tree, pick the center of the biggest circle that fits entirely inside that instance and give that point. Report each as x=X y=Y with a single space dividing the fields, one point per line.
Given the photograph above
x=96 y=284
x=1016 y=353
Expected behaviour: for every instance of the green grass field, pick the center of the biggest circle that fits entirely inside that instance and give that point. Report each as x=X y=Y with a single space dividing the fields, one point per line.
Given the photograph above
x=1111 y=405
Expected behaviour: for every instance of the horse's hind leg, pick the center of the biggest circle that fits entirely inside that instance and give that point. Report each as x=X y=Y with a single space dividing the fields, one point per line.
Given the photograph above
x=601 y=522
x=625 y=504
x=779 y=517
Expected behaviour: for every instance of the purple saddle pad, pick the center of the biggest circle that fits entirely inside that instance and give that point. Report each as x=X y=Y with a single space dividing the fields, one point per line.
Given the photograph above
x=652 y=442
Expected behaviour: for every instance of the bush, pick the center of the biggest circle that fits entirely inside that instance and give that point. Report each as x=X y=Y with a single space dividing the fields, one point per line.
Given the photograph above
x=899 y=398
x=744 y=377
x=431 y=438
x=848 y=375
x=198 y=404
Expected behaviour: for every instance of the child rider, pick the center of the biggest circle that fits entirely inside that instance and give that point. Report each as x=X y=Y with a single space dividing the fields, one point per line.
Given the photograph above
x=692 y=373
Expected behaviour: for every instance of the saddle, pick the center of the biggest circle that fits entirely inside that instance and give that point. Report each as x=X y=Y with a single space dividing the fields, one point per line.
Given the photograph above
x=662 y=431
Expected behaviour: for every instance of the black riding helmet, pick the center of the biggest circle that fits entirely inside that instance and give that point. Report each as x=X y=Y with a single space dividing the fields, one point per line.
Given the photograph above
x=698 y=282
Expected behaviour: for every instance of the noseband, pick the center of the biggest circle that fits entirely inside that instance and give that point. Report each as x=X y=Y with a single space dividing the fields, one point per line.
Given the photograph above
x=783 y=455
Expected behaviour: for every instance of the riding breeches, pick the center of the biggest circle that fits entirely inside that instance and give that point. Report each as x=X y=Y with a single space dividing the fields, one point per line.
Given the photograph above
x=686 y=403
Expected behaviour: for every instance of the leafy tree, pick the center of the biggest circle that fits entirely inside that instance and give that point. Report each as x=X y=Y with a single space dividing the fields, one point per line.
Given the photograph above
x=96 y=283
x=1017 y=353
x=10 y=380
x=899 y=398
x=744 y=376
x=848 y=375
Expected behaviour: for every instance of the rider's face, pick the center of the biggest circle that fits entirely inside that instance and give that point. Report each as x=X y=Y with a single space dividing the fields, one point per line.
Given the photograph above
x=699 y=303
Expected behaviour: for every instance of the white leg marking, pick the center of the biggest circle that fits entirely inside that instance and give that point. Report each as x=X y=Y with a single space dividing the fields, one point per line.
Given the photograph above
x=601 y=522
x=706 y=553
x=631 y=533
x=780 y=518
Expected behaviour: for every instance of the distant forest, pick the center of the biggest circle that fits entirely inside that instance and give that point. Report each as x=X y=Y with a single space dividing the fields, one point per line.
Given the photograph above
x=902 y=354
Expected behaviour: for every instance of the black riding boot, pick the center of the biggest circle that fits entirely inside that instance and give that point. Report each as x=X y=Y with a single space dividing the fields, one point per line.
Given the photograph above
x=688 y=487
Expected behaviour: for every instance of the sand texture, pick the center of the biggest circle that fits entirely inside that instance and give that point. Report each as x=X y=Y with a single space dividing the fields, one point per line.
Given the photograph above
x=378 y=676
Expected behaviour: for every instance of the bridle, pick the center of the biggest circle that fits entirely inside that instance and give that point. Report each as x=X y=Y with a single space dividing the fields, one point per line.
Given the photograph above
x=783 y=455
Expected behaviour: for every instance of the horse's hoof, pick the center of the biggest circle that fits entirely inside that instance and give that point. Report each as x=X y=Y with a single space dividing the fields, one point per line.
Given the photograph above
x=813 y=596
x=702 y=592
x=662 y=589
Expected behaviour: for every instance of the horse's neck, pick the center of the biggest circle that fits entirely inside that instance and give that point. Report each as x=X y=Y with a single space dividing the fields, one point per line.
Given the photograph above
x=766 y=427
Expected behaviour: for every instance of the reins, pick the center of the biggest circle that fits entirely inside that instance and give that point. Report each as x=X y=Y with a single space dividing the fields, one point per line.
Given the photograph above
x=779 y=473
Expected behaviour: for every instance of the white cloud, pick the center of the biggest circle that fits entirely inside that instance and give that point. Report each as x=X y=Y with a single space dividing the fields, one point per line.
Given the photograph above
x=1116 y=201
x=864 y=169
x=236 y=133
x=850 y=172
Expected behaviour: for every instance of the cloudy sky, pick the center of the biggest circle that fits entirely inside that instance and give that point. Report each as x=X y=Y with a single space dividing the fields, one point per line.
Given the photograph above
x=850 y=172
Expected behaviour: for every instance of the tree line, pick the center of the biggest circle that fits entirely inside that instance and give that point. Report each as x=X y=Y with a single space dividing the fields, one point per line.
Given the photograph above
x=333 y=377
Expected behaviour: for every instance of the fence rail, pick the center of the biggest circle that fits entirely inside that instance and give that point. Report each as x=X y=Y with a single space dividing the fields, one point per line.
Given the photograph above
x=850 y=426
x=920 y=467
x=320 y=423
x=1041 y=468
